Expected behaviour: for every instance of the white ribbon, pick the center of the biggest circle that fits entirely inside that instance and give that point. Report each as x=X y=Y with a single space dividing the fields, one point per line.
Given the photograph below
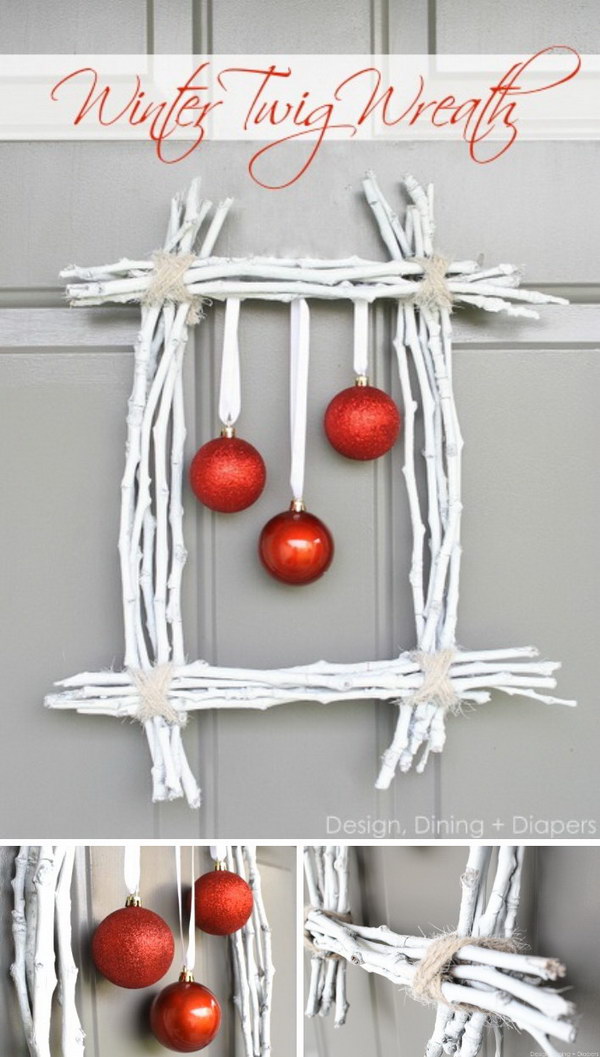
x=361 y=337
x=230 y=392
x=218 y=852
x=299 y=357
x=189 y=952
x=131 y=868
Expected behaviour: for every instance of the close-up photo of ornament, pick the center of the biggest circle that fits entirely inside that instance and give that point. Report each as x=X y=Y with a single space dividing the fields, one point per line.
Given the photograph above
x=223 y=901
x=133 y=946
x=77 y=978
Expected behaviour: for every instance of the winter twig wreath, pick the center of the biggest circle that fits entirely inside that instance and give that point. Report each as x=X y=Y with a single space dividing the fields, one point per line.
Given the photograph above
x=476 y=976
x=158 y=686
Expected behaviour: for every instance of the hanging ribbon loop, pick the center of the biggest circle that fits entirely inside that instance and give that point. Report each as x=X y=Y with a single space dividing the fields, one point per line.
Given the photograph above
x=218 y=852
x=131 y=869
x=299 y=360
x=230 y=391
x=188 y=951
x=361 y=338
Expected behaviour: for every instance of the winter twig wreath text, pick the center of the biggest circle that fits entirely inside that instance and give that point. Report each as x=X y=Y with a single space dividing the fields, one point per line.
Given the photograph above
x=158 y=686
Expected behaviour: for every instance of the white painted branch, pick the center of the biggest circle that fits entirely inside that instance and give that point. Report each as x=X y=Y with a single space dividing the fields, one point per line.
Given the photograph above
x=45 y=980
x=241 y=996
x=249 y=941
x=73 y=1036
x=19 y=933
x=31 y=910
x=264 y=950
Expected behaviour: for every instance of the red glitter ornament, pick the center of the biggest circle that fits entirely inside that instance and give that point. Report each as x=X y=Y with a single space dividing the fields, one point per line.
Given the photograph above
x=133 y=947
x=185 y=1016
x=227 y=474
x=362 y=422
x=224 y=902
x=295 y=546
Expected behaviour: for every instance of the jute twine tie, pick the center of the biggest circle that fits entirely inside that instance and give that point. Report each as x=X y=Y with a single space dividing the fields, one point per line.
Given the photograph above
x=433 y=969
x=167 y=283
x=153 y=688
x=433 y=291
x=308 y=940
x=436 y=688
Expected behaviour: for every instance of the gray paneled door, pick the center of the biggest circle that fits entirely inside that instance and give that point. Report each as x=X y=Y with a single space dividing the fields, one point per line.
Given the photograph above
x=528 y=401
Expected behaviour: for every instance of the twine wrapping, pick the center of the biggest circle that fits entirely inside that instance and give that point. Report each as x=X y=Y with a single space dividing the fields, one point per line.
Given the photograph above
x=153 y=688
x=167 y=282
x=433 y=291
x=436 y=688
x=308 y=940
x=433 y=969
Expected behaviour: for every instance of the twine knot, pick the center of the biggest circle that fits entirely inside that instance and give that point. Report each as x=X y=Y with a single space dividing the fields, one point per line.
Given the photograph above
x=434 y=969
x=433 y=290
x=436 y=688
x=308 y=940
x=167 y=283
x=153 y=687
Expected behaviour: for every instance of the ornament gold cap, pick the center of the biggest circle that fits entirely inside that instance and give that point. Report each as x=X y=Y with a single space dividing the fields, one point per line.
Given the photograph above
x=186 y=976
x=220 y=864
x=297 y=505
x=133 y=900
x=361 y=380
x=228 y=431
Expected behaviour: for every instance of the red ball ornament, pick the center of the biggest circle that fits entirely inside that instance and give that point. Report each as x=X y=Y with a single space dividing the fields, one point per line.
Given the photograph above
x=362 y=422
x=133 y=947
x=227 y=474
x=185 y=1016
x=295 y=546
x=224 y=902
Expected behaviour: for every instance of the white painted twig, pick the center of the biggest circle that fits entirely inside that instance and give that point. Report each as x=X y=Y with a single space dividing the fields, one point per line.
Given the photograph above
x=72 y=1033
x=45 y=979
x=31 y=911
x=19 y=933
x=266 y=969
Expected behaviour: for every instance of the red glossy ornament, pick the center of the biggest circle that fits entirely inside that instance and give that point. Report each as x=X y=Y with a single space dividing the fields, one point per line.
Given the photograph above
x=133 y=947
x=227 y=474
x=295 y=546
x=362 y=422
x=223 y=902
x=185 y=1016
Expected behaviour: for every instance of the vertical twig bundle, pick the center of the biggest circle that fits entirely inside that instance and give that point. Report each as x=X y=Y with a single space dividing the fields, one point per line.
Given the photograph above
x=252 y=959
x=42 y=943
x=326 y=874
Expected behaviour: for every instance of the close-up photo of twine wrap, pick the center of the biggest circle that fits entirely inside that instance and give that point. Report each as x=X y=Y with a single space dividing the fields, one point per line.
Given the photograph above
x=477 y=977
x=158 y=685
